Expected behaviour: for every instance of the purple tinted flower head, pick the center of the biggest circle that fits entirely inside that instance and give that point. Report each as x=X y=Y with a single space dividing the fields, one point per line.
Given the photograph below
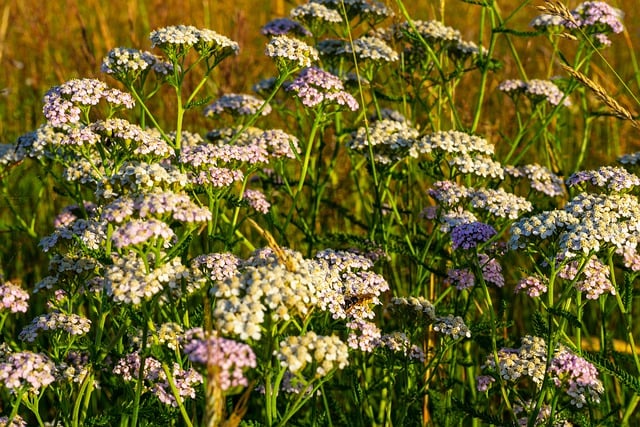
x=231 y=357
x=468 y=236
x=578 y=377
x=315 y=86
x=13 y=298
x=284 y=26
x=237 y=104
x=33 y=370
x=532 y=286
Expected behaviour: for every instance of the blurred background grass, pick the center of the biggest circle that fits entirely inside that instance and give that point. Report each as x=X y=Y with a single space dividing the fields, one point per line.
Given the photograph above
x=43 y=44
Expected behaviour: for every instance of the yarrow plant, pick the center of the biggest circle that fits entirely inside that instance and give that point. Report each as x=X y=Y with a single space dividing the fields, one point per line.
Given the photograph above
x=357 y=243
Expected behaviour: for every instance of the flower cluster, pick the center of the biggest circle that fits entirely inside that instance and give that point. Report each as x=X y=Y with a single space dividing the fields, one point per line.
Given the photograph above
x=237 y=104
x=156 y=379
x=13 y=298
x=64 y=104
x=587 y=223
x=315 y=86
x=72 y=324
x=389 y=139
x=127 y=64
x=532 y=286
x=230 y=358
x=593 y=18
x=539 y=177
x=33 y=371
x=611 y=178
x=594 y=277
x=283 y=27
x=176 y=41
x=578 y=377
x=536 y=90
x=326 y=352
x=290 y=53
x=452 y=326
x=315 y=12
x=468 y=236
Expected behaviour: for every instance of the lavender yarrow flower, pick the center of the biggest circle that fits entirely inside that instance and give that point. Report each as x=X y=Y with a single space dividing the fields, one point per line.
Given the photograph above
x=237 y=105
x=290 y=53
x=612 y=178
x=461 y=278
x=135 y=232
x=216 y=155
x=132 y=138
x=26 y=369
x=452 y=326
x=283 y=27
x=536 y=90
x=532 y=286
x=13 y=298
x=345 y=261
x=578 y=377
x=491 y=270
x=315 y=13
x=326 y=352
x=630 y=159
x=540 y=178
x=217 y=266
x=370 y=48
x=231 y=357
x=454 y=217
x=468 y=236
x=363 y=335
x=210 y=43
x=598 y=16
x=277 y=143
x=72 y=324
x=389 y=139
x=257 y=200
x=216 y=177
x=184 y=380
x=594 y=277
x=179 y=205
x=483 y=382
x=315 y=86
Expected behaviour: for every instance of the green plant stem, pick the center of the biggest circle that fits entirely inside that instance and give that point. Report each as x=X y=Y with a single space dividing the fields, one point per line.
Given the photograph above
x=176 y=395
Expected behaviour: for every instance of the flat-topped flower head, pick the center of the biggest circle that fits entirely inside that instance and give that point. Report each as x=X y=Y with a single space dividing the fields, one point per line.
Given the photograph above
x=137 y=232
x=231 y=358
x=72 y=324
x=325 y=352
x=283 y=27
x=13 y=298
x=177 y=40
x=366 y=10
x=451 y=142
x=536 y=90
x=64 y=104
x=432 y=31
x=452 y=326
x=390 y=140
x=613 y=179
x=315 y=13
x=370 y=48
x=468 y=236
x=539 y=177
x=237 y=105
x=531 y=285
x=290 y=53
x=577 y=377
x=26 y=369
x=592 y=279
x=126 y=64
x=315 y=86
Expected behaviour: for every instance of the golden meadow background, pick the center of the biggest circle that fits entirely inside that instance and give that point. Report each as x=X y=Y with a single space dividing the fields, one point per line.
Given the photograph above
x=45 y=43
